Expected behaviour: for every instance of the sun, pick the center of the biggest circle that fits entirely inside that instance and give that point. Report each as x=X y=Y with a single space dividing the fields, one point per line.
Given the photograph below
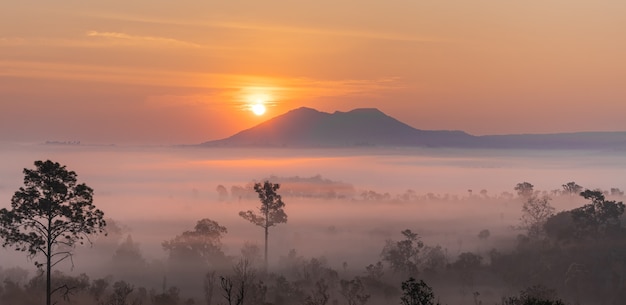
x=257 y=102
x=258 y=108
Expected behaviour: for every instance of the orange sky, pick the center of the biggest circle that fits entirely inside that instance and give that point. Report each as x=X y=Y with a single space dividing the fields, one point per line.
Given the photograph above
x=163 y=72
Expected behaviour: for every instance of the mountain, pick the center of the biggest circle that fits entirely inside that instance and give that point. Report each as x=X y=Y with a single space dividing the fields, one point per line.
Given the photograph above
x=306 y=127
x=575 y=140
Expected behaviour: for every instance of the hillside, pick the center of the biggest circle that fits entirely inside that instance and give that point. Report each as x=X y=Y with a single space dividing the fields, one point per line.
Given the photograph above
x=306 y=127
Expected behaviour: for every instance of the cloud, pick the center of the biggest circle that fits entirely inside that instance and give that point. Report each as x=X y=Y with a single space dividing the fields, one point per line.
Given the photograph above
x=202 y=88
x=275 y=27
x=46 y=42
x=142 y=39
x=375 y=35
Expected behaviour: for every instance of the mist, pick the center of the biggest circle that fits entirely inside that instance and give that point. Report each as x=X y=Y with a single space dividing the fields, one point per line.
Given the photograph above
x=343 y=205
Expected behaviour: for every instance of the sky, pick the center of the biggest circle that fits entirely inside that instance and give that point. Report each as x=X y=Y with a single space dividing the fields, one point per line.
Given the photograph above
x=164 y=72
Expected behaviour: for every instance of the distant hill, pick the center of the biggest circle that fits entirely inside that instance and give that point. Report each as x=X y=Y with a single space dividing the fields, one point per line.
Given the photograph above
x=575 y=140
x=306 y=127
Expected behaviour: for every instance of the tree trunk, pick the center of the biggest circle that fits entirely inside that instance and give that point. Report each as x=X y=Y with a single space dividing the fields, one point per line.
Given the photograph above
x=266 y=233
x=267 y=227
x=48 y=276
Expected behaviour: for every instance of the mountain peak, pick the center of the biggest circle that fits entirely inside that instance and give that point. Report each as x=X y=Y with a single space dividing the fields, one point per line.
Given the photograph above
x=309 y=127
x=362 y=111
x=303 y=110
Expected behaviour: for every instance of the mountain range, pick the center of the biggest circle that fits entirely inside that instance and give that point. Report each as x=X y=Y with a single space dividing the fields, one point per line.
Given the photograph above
x=306 y=127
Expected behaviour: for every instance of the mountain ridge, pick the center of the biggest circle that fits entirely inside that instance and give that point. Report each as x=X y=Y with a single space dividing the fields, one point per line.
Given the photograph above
x=308 y=127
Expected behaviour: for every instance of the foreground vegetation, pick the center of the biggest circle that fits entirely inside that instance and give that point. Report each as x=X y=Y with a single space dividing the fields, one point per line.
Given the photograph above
x=576 y=256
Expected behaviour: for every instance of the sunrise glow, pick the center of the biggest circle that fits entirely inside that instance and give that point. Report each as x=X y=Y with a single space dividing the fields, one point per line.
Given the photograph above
x=313 y=152
x=420 y=62
x=258 y=109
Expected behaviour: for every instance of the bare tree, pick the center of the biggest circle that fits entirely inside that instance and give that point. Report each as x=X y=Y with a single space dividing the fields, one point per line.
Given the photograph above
x=234 y=295
x=535 y=212
x=271 y=209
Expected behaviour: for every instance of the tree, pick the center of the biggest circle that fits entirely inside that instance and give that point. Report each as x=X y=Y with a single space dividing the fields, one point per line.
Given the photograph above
x=320 y=295
x=354 y=291
x=616 y=192
x=233 y=295
x=209 y=286
x=271 y=209
x=561 y=226
x=524 y=189
x=202 y=245
x=484 y=234
x=535 y=213
x=251 y=252
x=416 y=293
x=49 y=215
x=601 y=216
x=571 y=188
x=128 y=261
x=222 y=193
x=535 y=295
x=404 y=255
x=467 y=265
x=121 y=295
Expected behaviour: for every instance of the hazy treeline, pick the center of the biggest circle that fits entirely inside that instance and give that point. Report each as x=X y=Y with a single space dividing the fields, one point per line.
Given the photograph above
x=576 y=253
x=323 y=188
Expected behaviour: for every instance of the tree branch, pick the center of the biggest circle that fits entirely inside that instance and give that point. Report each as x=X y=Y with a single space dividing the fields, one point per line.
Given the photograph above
x=66 y=294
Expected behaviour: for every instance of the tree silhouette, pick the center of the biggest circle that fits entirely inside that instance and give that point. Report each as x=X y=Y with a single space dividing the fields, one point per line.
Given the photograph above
x=467 y=265
x=572 y=188
x=271 y=209
x=484 y=234
x=524 y=189
x=535 y=213
x=354 y=291
x=49 y=215
x=222 y=193
x=416 y=293
x=404 y=255
x=201 y=246
x=535 y=295
x=600 y=217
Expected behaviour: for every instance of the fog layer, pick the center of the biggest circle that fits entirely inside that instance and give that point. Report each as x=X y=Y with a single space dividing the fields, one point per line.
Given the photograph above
x=447 y=196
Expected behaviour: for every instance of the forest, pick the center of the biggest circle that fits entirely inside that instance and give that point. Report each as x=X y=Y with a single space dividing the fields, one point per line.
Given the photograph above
x=563 y=246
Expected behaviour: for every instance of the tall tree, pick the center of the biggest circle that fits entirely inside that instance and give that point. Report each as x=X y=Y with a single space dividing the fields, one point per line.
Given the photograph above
x=271 y=209
x=49 y=215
